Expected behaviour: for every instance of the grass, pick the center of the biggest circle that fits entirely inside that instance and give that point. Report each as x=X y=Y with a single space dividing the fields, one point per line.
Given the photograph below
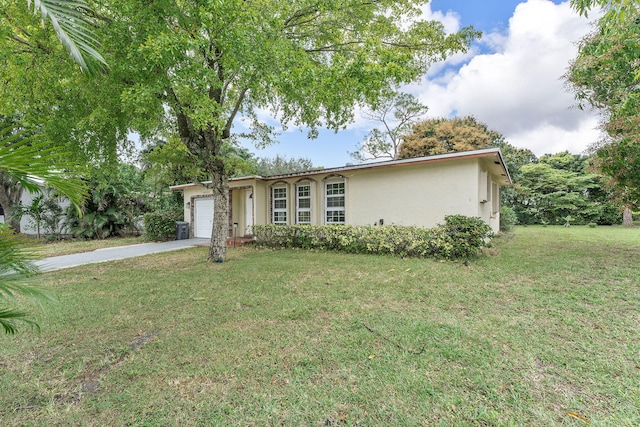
x=542 y=330
x=65 y=247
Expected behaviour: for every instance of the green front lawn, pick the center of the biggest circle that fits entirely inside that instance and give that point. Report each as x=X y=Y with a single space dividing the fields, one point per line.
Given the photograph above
x=46 y=249
x=542 y=330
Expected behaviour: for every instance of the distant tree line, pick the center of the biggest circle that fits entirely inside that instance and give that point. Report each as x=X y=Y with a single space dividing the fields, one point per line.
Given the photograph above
x=561 y=188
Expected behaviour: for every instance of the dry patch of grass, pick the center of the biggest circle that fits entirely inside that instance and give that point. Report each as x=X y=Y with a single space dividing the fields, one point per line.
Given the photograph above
x=541 y=331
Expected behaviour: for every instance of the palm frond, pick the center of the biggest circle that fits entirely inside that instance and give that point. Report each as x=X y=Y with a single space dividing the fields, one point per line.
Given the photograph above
x=73 y=31
x=33 y=161
x=9 y=318
x=15 y=265
x=10 y=287
x=14 y=258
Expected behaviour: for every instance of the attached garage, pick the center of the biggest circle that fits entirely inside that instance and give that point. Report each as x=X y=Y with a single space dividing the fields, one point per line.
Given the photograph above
x=203 y=217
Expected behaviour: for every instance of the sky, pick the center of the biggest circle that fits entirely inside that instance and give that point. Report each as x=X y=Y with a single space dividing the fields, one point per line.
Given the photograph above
x=511 y=79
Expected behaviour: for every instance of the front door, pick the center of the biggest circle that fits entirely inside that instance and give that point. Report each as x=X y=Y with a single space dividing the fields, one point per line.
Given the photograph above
x=248 y=211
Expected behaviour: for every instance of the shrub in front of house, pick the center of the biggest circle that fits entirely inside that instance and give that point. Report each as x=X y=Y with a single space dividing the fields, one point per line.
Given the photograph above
x=161 y=225
x=459 y=237
x=468 y=235
x=508 y=218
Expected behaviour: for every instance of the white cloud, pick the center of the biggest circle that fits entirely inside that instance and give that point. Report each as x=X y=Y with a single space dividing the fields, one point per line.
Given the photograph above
x=518 y=89
x=511 y=80
x=550 y=139
x=450 y=20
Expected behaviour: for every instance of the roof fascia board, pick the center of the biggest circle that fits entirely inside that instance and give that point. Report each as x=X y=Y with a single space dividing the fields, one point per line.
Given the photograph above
x=487 y=152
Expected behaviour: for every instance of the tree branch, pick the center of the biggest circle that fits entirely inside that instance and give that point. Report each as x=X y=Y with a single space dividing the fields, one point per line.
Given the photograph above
x=312 y=14
x=333 y=47
x=236 y=108
x=25 y=32
x=216 y=92
x=184 y=127
x=21 y=40
x=92 y=13
x=300 y=14
x=405 y=45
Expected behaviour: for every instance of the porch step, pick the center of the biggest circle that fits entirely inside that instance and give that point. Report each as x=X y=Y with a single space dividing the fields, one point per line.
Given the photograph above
x=239 y=241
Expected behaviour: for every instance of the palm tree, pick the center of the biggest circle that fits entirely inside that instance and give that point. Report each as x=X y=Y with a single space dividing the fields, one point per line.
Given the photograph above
x=70 y=23
x=31 y=161
x=15 y=266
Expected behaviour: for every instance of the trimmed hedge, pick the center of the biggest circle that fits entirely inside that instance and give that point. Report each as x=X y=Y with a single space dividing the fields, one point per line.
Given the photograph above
x=459 y=237
x=161 y=225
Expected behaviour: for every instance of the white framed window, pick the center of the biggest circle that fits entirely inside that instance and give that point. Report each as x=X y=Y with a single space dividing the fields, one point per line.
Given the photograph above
x=279 y=205
x=485 y=187
x=303 y=204
x=495 y=198
x=490 y=196
x=334 y=202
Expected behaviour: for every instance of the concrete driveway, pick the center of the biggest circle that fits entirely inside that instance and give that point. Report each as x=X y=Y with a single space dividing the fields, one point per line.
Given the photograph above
x=119 y=252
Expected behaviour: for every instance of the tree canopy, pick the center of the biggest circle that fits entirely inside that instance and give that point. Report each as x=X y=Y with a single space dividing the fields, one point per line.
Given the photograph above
x=560 y=186
x=442 y=136
x=395 y=113
x=282 y=165
x=45 y=90
x=199 y=65
x=605 y=75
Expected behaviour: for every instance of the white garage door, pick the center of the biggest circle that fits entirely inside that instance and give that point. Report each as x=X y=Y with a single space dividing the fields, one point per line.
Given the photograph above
x=203 y=217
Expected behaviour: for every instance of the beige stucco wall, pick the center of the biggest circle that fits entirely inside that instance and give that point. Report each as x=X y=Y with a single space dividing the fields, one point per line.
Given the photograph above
x=413 y=195
x=418 y=195
x=488 y=196
x=260 y=206
x=189 y=194
x=239 y=189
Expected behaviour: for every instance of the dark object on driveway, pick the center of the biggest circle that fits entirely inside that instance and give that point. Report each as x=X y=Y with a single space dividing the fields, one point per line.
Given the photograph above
x=182 y=230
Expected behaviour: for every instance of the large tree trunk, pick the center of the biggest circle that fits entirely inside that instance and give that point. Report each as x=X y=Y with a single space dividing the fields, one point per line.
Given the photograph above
x=10 y=195
x=220 y=231
x=627 y=217
x=205 y=145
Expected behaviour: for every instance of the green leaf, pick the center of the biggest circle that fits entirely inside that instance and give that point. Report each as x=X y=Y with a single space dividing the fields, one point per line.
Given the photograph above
x=32 y=161
x=70 y=25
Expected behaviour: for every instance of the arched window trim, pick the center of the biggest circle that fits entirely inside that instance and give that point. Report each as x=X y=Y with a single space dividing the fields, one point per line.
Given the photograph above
x=304 y=196
x=279 y=202
x=334 y=176
x=335 y=199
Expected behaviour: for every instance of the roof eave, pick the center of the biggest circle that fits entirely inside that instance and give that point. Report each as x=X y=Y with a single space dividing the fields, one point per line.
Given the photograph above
x=486 y=152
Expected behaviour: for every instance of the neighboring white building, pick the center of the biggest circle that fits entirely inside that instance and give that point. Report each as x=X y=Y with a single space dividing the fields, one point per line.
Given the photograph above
x=416 y=192
x=26 y=226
